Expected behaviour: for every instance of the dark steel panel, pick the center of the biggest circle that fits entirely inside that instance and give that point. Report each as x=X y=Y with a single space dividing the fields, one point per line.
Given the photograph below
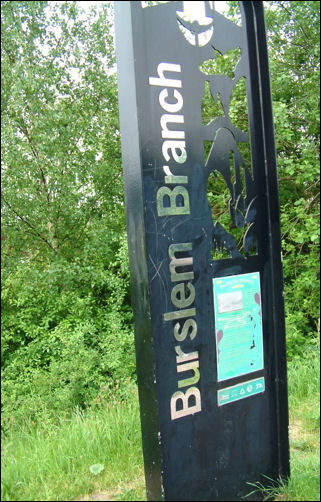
x=213 y=453
x=131 y=155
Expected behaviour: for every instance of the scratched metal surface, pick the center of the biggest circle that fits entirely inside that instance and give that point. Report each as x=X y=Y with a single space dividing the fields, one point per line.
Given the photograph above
x=214 y=453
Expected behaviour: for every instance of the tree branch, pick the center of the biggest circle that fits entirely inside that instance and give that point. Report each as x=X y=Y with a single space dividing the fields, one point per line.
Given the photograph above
x=25 y=131
x=26 y=222
x=290 y=16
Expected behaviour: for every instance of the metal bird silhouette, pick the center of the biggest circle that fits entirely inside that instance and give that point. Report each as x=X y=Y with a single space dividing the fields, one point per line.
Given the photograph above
x=194 y=27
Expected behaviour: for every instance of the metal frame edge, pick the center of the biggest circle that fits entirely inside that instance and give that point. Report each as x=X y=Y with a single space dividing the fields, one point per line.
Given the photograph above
x=133 y=186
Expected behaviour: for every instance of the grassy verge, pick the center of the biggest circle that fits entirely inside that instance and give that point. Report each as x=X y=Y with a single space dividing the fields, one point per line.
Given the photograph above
x=304 y=432
x=53 y=462
x=304 y=404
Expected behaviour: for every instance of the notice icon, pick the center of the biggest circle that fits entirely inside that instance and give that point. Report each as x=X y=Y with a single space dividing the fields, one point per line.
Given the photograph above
x=240 y=391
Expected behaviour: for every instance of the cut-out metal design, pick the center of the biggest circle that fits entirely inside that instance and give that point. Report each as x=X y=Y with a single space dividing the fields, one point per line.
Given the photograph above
x=242 y=210
x=199 y=31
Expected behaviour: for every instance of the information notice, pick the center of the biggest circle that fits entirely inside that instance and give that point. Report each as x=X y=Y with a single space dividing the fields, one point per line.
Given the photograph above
x=238 y=325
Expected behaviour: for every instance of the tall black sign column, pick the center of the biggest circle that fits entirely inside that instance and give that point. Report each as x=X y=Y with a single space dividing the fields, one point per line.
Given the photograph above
x=208 y=307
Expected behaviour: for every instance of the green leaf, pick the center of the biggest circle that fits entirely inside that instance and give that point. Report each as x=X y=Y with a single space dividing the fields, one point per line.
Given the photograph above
x=96 y=469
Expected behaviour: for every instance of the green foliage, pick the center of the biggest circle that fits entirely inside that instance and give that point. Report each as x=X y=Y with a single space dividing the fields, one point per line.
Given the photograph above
x=66 y=323
x=294 y=50
x=60 y=141
x=71 y=337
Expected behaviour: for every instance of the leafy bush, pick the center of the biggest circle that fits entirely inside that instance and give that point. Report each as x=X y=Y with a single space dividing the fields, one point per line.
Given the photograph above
x=67 y=332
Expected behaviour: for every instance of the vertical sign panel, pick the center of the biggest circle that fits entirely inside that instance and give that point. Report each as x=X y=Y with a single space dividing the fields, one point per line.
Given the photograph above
x=204 y=247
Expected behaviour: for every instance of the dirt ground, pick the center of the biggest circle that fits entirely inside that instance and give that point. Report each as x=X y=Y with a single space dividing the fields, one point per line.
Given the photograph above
x=103 y=495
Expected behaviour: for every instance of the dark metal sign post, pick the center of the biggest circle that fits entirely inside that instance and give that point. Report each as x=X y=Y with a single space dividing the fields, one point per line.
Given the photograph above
x=208 y=307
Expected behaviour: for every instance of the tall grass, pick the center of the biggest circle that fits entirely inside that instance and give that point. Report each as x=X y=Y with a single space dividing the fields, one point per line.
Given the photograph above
x=51 y=462
x=304 y=405
x=304 y=431
x=304 y=385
